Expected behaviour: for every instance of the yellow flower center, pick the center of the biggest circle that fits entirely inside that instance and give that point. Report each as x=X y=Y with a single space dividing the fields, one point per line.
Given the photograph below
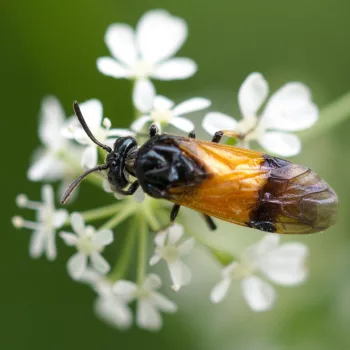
x=142 y=69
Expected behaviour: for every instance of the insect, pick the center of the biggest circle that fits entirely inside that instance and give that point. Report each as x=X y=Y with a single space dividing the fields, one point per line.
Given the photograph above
x=242 y=186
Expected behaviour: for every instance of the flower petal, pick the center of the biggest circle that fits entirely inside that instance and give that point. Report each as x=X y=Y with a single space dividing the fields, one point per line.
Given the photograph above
x=47 y=167
x=120 y=133
x=175 y=232
x=186 y=247
x=99 y=263
x=108 y=66
x=37 y=243
x=219 y=292
x=259 y=295
x=51 y=251
x=216 y=121
x=69 y=238
x=162 y=103
x=154 y=260
x=89 y=158
x=286 y=265
x=47 y=196
x=59 y=218
x=163 y=303
x=113 y=313
x=147 y=316
x=280 y=143
x=139 y=195
x=182 y=124
x=78 y=223
x=252 y=94
x=77 y=265
x=143 y=95
x=103 y=237
x=191 y=105
x=120 y=41
x=160 y=237
x=291 y=108
x=176 y=68
x=152 y=282
x=180 y=274
x=139 y=123
x=92 y=111
x=255 y=252
x=51 y=120
x=159 y=35
x=125 y=290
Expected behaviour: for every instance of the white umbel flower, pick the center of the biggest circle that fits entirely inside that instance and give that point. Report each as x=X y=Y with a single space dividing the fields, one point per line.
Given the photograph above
x=171 y=251
x=100 y=127
x=162 y=111
x=149 y=302
x=289 y=109
x=108 y=306
x=89 y=244
x=283 y=264
x=147 y=51
x=48 y=221
x=48 y=164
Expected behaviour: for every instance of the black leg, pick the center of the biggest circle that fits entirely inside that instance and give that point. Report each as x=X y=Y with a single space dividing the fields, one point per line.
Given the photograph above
x=131 y=190
x=192 y=134
x=174 y=212
x=234 y=134
x=210 y=222
x=153 y=130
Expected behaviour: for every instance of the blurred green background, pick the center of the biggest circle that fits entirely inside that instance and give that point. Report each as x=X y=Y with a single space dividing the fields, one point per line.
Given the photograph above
x=50 y=47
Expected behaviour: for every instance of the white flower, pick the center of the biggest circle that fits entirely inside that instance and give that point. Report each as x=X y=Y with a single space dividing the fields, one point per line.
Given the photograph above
x=89 y=243
x=161 y=111
x=169 y=249
x=100 y=127
x=108 y=306
x=149 y=302
x=49 y=164
x=146 y=52
x=48 y=220
x=289 y=109
x=282 y=264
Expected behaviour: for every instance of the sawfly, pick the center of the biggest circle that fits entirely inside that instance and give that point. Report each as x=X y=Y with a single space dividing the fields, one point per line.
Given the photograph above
x=242 y=186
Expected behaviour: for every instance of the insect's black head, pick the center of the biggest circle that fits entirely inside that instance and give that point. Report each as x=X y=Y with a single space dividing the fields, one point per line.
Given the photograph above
x=120 y=160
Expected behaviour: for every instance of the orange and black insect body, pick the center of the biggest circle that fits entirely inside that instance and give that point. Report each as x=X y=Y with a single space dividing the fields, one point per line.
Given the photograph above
x=241 y=186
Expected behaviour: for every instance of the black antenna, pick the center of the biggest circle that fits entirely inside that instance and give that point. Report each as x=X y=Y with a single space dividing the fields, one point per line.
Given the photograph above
x=77 y=181
x=86 y=128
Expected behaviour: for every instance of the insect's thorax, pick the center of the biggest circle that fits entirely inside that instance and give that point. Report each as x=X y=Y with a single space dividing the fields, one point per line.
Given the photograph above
x=161 y=165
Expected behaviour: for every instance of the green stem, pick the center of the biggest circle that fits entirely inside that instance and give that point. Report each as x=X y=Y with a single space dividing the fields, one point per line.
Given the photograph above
x=142 y=250
x=330 y=116
x=151 y=218
x=124 y=258
x=223 y=256
x=119 y=217
x=101 y=213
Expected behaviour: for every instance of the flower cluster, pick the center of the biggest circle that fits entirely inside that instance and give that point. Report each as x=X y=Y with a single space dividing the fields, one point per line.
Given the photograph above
x=141 y=55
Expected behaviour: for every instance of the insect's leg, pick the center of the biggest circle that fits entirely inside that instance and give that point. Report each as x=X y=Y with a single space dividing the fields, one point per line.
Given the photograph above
x=229 y=133
x=192 y=134
x=153 y=130
x=174 y=211
x=131 y=190
x=210 y=222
